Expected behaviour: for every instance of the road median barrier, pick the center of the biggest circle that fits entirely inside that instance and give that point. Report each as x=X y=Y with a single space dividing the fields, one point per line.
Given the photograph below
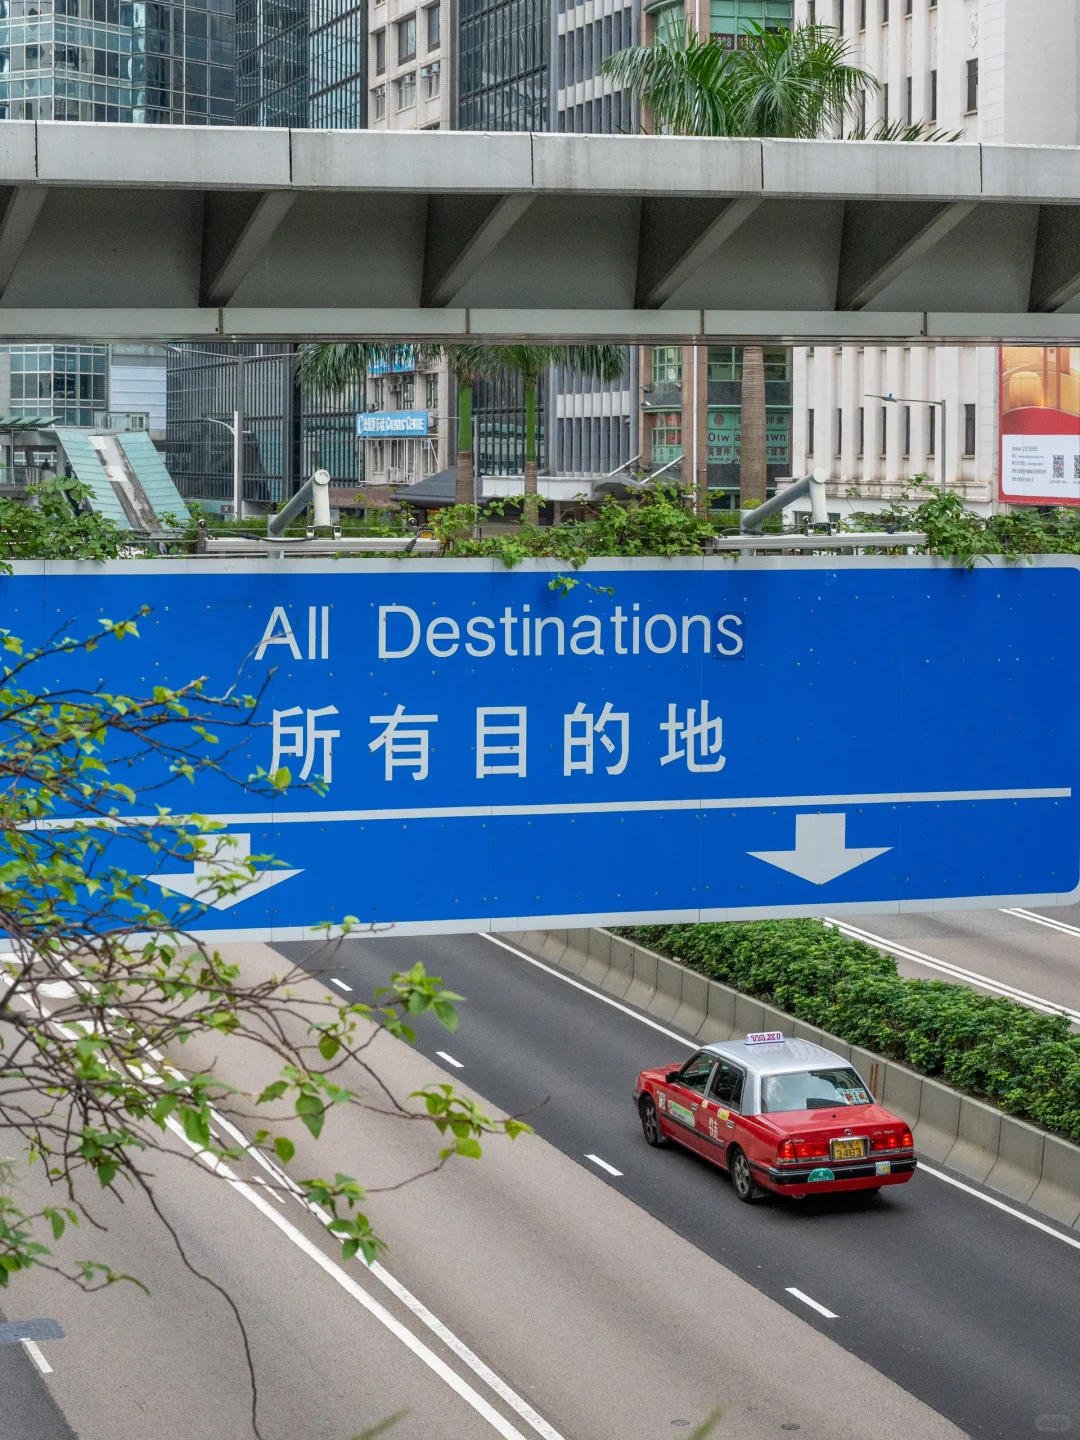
x=1020 y=1161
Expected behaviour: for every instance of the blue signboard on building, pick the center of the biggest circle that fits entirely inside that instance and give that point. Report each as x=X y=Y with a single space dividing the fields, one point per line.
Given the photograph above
x=375 y=424
x=655 y=740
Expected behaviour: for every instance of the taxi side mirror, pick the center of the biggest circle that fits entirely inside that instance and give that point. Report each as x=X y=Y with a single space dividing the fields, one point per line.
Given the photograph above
x=672 y=1076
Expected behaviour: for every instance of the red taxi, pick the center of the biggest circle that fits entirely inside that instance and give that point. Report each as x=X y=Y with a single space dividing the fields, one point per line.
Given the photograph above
x=780 y=1115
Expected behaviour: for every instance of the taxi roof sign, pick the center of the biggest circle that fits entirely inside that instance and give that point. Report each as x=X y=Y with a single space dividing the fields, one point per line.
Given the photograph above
x=765 y=1037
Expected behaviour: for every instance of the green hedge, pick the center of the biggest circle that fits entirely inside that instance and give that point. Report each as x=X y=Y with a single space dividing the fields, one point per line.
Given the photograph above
x=1026 y=1063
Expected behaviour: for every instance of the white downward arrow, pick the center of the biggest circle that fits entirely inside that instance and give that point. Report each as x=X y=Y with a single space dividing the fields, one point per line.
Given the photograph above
x=821 y=852
x=230 y=851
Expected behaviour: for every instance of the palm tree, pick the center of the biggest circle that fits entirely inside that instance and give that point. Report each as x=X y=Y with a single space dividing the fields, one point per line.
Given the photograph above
x=599 y=362
x=797 y=84
x=468 y=363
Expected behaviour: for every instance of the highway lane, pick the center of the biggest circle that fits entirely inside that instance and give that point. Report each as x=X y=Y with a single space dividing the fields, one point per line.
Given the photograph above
x=964 y=1306
x=27 y=1408
x=1010 y=950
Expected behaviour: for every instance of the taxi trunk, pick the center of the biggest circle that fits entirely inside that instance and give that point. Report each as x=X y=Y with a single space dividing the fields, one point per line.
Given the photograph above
x=843 y=1148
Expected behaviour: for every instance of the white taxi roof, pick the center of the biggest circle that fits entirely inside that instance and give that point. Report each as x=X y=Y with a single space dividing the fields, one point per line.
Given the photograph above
x=782 y=1058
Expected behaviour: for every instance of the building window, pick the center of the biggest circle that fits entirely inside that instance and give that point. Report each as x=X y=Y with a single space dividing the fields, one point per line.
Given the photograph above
x=931 y=448
x=972 y=87
x=882 y=447
x=809 y=432
x=811 y=12
x=667 y=438
x=839 y=431
x=862 y=112
x=862 y=428
x=430 y=77
x=406 y=40
x=907 y=7
x=884 y=12
x=885 y=102
x=933 y=94
x=907 y=430
x=378 y=96
x=380 y=52
x=840 y=16
x=862 y=14
x=909 y=100
x=433 y=15
x=431 y=392
x=969 y=429
x=406 y=90
x=667 y=364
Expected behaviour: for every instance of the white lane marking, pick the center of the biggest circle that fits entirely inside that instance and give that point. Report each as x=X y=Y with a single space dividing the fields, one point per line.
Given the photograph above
x=459 y=1348
x=957 y=972
x=925 y=1169
x=596 y=807
x=607 y=999
x=1062 y=925
x=36 y=1356
x=691 y=1045
x=341 y=985
x=418 y=1308
x=348 y=1284
x=829 y=1314
x=604 y=1165
x=457 y=1064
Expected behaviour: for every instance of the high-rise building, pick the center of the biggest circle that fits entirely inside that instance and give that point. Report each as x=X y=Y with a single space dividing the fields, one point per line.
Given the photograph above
x=301 y=65
x=983 y=70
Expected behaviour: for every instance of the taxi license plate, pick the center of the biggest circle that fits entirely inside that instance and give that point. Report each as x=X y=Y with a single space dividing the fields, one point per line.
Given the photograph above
x=849 y=1149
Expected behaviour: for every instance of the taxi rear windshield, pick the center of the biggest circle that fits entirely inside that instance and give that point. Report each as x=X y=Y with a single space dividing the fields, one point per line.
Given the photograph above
x=813 y=1090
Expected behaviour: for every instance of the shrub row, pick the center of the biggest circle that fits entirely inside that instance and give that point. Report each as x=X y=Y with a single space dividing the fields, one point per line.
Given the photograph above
x=1026 y=1063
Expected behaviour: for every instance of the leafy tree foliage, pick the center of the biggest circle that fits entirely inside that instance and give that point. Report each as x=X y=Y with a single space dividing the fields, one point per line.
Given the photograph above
x=56 y=524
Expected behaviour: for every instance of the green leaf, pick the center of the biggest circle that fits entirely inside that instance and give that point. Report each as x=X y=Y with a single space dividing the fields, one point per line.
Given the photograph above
x=284 y=1148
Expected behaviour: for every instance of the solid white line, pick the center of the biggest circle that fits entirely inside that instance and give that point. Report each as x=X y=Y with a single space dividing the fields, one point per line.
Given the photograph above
x=1061 y=925
x=829 y=1314
x=598 y=807
x=37 y=1357
x=604 y=1165
x=457 y=1064
x=957 y=972
x=925 y=1169
x=418 y=1308
x=692 y=1045
x=607 y=999
x=348 y=1284
x=341 y=985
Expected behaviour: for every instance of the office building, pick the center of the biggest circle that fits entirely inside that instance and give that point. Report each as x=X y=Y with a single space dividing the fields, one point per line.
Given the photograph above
x=995 y=71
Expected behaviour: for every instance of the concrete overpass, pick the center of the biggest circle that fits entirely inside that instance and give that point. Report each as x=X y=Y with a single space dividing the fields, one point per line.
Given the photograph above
x=151 y=232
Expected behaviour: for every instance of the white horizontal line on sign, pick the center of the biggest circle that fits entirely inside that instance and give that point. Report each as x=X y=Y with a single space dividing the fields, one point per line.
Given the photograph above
x=599 y=807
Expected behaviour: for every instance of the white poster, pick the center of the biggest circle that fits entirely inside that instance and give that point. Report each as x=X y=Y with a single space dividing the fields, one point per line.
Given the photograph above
x=1045 y=467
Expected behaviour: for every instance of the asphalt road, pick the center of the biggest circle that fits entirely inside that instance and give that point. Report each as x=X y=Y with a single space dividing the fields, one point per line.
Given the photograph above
x=966 y=1307
x=1033 y=954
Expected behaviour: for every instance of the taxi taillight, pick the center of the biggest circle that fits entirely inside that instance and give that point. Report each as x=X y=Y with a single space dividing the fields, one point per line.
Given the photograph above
x=802 y=1150
x=785 y=1150
x=907 y=1140
x=893 y=1140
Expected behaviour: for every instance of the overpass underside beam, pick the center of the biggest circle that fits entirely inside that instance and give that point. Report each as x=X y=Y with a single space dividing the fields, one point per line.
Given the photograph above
x=183 y=232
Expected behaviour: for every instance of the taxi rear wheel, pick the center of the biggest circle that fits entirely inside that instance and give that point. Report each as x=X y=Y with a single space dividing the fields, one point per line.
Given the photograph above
x=742 y=1177
x=650 y=1124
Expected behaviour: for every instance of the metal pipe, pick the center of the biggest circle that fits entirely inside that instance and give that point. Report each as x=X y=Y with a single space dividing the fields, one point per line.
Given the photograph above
x=314 y=492
x=751 y=521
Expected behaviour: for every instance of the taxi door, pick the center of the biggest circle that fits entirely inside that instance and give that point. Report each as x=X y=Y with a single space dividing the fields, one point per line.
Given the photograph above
x=720 y=1112
x=679 y=1102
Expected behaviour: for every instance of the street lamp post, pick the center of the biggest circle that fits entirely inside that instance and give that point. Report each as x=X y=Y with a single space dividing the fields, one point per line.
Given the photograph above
x=237 y=427
x=935 y=404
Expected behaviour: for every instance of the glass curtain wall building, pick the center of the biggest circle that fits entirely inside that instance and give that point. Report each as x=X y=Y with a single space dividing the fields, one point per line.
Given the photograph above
x=503 y=49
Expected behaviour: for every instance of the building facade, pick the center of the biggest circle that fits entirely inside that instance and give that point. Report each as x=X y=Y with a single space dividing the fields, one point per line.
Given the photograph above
x=982 y=69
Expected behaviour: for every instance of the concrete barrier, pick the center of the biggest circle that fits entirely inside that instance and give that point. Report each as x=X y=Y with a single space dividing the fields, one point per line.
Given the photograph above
x=903 y=1092
x=599 y=960
x=668 y=995
x=621 y=969
x=1010 y=1156
x=976 y=1150
x=720 y=1015
x=939 y=1120
x=1020 y=1159
x=643 y=985
x=1058 y=1191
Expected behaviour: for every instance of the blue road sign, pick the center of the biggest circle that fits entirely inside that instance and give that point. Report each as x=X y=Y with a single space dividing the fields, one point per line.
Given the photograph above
x=667 y=740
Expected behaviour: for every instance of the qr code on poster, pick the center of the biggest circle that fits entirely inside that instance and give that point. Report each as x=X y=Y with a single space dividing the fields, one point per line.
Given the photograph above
x=1076 y=467
x=1059 y=467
